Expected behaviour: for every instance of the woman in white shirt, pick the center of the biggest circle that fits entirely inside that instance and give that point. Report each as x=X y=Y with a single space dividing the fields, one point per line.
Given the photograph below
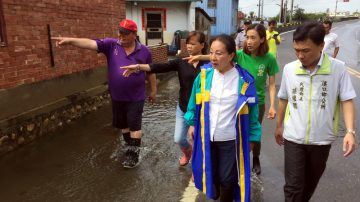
x=223 y=118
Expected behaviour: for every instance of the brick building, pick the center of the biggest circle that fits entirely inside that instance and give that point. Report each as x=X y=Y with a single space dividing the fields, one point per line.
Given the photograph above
x=25 y=56
x=35 y=76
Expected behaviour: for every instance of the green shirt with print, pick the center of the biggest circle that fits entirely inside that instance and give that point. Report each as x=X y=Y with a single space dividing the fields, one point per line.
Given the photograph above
x=260 y=67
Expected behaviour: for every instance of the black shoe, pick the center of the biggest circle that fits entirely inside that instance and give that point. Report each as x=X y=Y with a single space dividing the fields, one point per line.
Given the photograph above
x=131 y=157
x=256 y=165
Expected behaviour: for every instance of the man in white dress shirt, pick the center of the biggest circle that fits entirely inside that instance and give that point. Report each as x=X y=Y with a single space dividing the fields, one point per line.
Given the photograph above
x=331 y=46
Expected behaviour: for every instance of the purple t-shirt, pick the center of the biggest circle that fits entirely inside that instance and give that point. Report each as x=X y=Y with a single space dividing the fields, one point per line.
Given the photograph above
x=122 y=88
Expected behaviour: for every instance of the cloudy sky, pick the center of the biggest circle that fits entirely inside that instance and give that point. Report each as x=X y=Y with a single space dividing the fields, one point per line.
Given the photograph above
x=271 y=9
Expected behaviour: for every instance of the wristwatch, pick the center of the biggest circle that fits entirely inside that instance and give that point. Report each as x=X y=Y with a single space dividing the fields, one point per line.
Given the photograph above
x=137 y=68
x=352 y=131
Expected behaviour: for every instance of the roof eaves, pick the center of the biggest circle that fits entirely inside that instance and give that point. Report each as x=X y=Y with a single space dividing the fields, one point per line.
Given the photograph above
x=204 y=13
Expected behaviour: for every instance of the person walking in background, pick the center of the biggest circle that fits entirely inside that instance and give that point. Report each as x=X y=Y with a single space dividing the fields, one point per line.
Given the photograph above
x=195 y=45
x=127 y=94
x=331 y=46
x=273 y=38
x=312 y=89
x=261 y=64
x=241 y=35
x=223 y=118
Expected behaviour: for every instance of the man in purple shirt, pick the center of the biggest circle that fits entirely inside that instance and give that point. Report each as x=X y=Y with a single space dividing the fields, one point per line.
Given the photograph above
x=127 y=93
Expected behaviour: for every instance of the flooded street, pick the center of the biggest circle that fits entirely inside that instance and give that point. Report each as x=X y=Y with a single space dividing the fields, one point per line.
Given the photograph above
x=82 y=162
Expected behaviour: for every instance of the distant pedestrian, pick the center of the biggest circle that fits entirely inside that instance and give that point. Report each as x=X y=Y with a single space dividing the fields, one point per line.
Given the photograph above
x=195 y=45
x=223 y=118
x=241 y=35
x=331 y=46
x=273 y=37
x=311 y=91
x=127 y=94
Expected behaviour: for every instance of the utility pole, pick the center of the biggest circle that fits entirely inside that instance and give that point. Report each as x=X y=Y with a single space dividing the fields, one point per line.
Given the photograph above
x=285 y=11
x=336 y=8
x=259 y=14
x=262 y=9
x=291 y=10
x=281 y=11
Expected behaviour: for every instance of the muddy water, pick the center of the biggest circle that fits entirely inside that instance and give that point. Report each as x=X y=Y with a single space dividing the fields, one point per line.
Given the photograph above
x=82 y=162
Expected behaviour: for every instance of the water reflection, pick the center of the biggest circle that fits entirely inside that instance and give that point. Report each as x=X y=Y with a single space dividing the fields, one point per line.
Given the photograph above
x=82 y=162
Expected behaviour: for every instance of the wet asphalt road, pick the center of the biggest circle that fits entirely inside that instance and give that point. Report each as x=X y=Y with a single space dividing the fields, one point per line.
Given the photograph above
x=82 y=162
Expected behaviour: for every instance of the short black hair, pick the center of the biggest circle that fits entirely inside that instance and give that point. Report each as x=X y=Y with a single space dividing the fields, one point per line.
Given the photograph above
x=272 y=22
x=311 y=30
x=328 y=22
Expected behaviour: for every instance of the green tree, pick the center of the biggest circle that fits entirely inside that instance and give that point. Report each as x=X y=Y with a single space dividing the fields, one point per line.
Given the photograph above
x=315 y=16
x=251 y=14
x=299 y=14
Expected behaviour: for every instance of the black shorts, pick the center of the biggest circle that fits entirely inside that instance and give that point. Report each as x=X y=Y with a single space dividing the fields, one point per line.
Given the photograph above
x=127 y=114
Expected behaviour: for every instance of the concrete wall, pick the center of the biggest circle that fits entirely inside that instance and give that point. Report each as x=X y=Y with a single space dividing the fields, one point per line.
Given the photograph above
x=179 y=16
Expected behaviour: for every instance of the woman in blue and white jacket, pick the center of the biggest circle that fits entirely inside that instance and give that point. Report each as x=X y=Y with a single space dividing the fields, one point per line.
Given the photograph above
x=223 y=115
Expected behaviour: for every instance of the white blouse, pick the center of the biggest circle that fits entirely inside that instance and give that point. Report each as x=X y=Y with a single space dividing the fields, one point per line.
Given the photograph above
x=223 y=99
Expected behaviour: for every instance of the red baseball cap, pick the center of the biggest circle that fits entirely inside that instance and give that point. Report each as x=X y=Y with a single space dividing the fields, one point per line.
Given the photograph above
x=126 y=26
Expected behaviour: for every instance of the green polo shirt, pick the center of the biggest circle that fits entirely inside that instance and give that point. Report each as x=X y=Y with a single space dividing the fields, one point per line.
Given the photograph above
x=260 y=67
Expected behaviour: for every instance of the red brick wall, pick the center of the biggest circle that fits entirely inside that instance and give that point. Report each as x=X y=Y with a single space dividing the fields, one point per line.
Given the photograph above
x=26 y=58
x=159 y=53
x=183 y=50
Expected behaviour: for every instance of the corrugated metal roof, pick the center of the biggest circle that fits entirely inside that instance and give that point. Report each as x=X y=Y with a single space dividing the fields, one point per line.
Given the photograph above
x=167 y=0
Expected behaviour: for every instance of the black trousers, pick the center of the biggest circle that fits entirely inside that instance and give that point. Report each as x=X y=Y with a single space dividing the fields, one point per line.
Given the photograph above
x=304 y=166
x=257 y=145
x=223 y=155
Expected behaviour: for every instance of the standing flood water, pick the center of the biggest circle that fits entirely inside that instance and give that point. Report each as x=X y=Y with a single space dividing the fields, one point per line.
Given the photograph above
x=82 y=162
